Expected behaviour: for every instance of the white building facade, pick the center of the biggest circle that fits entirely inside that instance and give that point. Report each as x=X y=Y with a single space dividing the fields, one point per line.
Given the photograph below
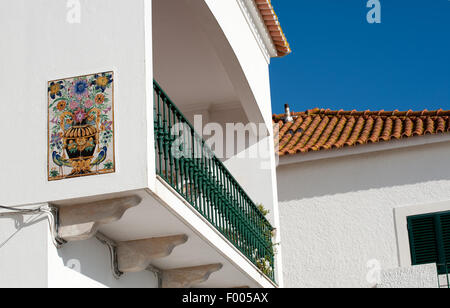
x=348 y=184
x=129 y=212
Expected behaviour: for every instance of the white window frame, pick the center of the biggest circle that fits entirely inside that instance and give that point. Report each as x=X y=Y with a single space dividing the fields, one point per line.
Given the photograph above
x=401 y=226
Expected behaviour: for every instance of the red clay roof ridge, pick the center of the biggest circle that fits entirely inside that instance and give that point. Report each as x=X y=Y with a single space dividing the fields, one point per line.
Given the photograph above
x=379 y=113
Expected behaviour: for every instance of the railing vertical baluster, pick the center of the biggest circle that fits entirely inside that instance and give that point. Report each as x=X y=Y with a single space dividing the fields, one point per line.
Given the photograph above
x=210 y=192
x=207 y=190
x=195 y=167
x=225 y=203
x=214 y=191
x=200 y=174
x=184 y=160
x=191 y=168
x=165 y=137
x=159 y=131
x=182 y=157
x=216 y=195
x=177 y=160
x=155 y=125
x=204 y=179
x=256 y=223
x=227 y=217
x=195 y=170
x=169 y=145
x=186 y=165
x=230 y=199
x=219 y=204
x=248 y=214
x=172 y=149
x=222 y=203
x=239 y=205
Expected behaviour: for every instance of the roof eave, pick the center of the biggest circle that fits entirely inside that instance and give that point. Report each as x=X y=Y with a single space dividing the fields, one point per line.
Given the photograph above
x=364 y=149
x=273 y=26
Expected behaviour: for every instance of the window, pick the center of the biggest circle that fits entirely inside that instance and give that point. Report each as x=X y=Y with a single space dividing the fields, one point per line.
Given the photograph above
x=429 y=238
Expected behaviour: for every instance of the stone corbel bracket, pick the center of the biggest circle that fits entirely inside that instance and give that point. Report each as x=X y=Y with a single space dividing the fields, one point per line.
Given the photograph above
x=136 y=256
x=79 y=222
x=187 y=277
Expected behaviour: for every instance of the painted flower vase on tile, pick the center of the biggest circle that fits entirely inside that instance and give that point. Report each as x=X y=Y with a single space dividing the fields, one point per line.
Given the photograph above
x=80 y=140
x=81 y=137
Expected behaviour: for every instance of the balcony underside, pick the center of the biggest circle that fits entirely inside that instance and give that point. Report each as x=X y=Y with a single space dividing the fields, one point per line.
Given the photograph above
x=165 y=214
x=194 y=62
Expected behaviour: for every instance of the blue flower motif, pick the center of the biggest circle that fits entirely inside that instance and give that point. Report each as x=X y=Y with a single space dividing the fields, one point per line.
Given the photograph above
x=80 y=87
x=56 y=141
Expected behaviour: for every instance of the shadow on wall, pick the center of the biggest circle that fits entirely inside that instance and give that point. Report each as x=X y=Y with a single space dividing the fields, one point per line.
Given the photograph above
x=20 y=223
x=23 y=250
x=91 y=258
x=361 y=172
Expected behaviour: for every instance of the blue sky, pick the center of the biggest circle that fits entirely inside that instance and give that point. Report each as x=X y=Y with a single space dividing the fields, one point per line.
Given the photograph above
x=340 y=61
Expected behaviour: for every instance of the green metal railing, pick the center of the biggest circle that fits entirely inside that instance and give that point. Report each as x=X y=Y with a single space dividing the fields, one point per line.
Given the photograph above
x=188 y=165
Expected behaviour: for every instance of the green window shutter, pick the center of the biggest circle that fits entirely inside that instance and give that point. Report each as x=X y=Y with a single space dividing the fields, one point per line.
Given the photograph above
x=445 y=225
x=429 y=237
x=422 y=238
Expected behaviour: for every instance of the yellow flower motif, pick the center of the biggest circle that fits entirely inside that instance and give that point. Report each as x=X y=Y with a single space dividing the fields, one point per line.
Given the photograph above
x=81 y=141
x=54 y=89
x=102 y=81
x=99 y=99
x=61 y=105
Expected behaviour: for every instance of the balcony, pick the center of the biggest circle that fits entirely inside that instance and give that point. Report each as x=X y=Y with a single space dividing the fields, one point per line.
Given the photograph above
x=186 y=163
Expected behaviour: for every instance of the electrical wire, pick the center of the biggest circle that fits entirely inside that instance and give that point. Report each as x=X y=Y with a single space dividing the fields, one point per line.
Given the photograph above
x=112 y=247
x=53 y=218
x=112 y=252
x=158 y=274
x=21 y=211
x=52 y=215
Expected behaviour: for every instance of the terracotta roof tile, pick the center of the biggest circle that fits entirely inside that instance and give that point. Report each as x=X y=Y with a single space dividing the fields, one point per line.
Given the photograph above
x=320 y=129
x=271 y=20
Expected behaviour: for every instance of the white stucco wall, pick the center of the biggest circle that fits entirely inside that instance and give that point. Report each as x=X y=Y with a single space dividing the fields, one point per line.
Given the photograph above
x=254 y=174
x=87 y=264
x=28 y=259
x=246 y=48
x=243 y=59
x=423 y=276
x=38 y=45
x=23 y=251
x=337 y=214
x=254 y=169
